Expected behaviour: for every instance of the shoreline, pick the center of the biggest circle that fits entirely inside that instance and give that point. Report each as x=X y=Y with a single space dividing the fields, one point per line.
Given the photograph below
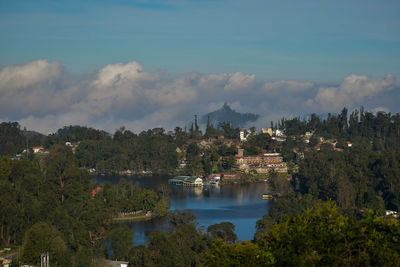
x=133 y=218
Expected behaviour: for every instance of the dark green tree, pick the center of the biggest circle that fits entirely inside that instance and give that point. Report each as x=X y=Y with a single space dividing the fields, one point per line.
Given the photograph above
x=120 y=239
x=224 y=230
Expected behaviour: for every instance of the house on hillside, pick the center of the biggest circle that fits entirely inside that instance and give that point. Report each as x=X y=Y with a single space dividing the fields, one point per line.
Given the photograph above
x=244 y=134
x=267 y=131
x=349 y=144
x=261 y=164
x=37 y=149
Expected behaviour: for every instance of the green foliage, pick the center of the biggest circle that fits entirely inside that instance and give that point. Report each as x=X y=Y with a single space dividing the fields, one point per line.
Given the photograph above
x=47 y=206
x=228 y=130
x=63 y=175
x=211 y=131
x=323 y=236
x=180 y=218
x=129 y=197
x=120 y=239
x=19 y=189
x=300 y=232
x=240 y=254
x=80 y=133
x=282 y=208
x=294 y=126
x=279 y=185
x=166 y=250
x=12 y=140
x=141 y=256
x=354 y=178
x=224 y=230
x=150 y=150
x=258 y=143
x=84 y=257
x=5 y=168
x=41 y=238
x=161 y=208
x=183 y=245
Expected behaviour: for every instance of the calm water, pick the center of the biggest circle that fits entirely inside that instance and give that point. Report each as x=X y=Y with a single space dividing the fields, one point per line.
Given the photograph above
x=241 y=205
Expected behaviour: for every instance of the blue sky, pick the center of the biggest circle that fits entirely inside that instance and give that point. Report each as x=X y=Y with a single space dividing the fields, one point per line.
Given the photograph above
x=157 y=63
x=317 y=40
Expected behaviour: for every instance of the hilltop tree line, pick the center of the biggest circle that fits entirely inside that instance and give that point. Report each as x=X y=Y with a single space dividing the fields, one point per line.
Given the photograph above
x=355 y=178
x=381 y=129
x=365 y=175
x=152 y=150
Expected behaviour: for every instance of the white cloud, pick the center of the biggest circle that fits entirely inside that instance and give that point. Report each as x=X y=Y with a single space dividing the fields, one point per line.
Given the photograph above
x=43 y=97
x=239 y=81
x=180 y=90
x=30 y=87
x=52 y=122
x=31 y=74
x=121 y=85
x=117 y=86
x=283 y=86
x=354 y=90
x=122 y=75
x=213 y=80
x=228 y=82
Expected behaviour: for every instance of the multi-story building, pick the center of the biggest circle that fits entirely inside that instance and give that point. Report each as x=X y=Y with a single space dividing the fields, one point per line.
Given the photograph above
x=267 y=131
x=261 y=164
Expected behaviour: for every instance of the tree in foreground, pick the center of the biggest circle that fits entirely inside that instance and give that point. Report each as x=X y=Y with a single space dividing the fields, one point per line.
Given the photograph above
x=319 y=236
x=224 y=230
x=120 y=239
x=240 y=254
x=323 y=236
x=41 y=238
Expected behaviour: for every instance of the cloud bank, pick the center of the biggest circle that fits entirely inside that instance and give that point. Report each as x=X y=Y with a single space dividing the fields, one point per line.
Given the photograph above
x=354 y=90
x=42 y=96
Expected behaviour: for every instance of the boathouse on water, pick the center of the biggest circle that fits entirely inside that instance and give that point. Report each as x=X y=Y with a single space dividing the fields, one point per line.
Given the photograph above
x=186 y=181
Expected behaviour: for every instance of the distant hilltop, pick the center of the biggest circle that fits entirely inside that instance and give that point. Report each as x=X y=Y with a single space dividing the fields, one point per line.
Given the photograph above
x=226 y=114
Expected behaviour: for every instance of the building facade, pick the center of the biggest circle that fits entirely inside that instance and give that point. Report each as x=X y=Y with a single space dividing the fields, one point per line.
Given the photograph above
x=261 y=164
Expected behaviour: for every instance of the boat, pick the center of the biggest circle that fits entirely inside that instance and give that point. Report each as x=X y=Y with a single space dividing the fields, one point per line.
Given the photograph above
x=267 y=196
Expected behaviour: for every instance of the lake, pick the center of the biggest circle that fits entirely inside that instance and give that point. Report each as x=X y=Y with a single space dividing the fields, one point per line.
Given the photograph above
x=240 y=204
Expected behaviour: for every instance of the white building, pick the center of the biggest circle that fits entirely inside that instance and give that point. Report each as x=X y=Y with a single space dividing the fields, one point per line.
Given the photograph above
x=243 y=135
x=37 y=149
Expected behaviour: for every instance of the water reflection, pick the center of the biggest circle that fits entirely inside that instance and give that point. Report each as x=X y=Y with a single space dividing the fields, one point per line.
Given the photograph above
x=240 y=204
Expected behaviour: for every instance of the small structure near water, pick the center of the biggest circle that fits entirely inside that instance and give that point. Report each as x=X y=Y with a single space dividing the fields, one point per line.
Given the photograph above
x=189 y=181
x=267 y=196
x=193 y=181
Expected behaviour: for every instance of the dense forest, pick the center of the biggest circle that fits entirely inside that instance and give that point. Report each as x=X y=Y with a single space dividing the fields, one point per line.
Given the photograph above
x=378 y=131
x=152 y=150
x=47 y=204
x=331 y=211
